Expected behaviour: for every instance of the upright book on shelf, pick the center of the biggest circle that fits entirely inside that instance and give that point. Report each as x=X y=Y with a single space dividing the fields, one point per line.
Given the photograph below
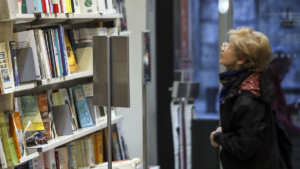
x=8 y=9
x=50 y=162
x=71 y=58
x=7 y=81
x=4 y=139
x=17 y=134
x=32 y=122
x=88 y=6
x=43 y=107
x=13 y=53
x=27 y=57
x=10 y=138
x=83 y=112
x=38 y=8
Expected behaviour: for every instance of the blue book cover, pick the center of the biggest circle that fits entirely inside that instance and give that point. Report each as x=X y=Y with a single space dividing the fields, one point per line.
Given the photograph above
x=63 y=55
x=13 y=52
x=82 y=108
x=37 y=6
x=58 y=51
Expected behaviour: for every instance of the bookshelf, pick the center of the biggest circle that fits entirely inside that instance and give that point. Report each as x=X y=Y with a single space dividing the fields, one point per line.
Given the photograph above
x=77 y=134
x=27 y=158
x=21 y=18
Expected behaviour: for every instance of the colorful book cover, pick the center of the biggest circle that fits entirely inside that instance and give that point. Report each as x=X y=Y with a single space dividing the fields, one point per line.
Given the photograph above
x=71 y=58
x=11 y=139
x=4 y=139
x=7 y=86
x=83 y=112
x=32 y=122
x=38 y=8
x=58 y=51
x=14 y=130
x=71 y=35
x=13 y=53
x=98 y=143
x=43 y=107
x=24 y=7
x=69 y=6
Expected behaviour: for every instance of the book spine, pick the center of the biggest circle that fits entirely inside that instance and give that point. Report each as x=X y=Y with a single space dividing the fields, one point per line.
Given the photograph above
x=10 y=139
x=44 y=55
x=48 y=6
x=71 y=58
x=72 y=35
x=48 y=54
x=58 y=52
x=30 y=6
x=10 y=66
x=73 y=107
x=63 y=50
x=38 y=49
x=20 y=6
x=44 y=6
x=57 y=160
x=69 y=6
x=74 y=154
x=76 y=8
x=7 y=86
x=51 y=50
x=4 y=139
x=14 y=134
x=55 y=53
x=62 y=6
x=72 y=5
x=37 y=6
x=13 y=52
x=55 y=6
x=83 y=152
x=24 y=7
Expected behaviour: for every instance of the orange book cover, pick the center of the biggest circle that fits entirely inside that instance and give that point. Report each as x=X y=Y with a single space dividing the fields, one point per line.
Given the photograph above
x=98 y=143
x=42 y=102
x=15 y=125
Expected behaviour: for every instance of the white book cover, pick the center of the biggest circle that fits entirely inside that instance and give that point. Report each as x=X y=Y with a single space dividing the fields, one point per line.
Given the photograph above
x=63 y=157
x=47 y=6
x=26 y=39
x=38 y=163
x=8 y=9
x=2 y=155
x=89 y=152
x=110 y=6
x=88 y=6
x=38 y=50
x=7 y=83
x=50 y=161
x=84 y=53
x=101 y=6
x=76 y=6
x=10 y=65
x=44 y=55
x=56 y=55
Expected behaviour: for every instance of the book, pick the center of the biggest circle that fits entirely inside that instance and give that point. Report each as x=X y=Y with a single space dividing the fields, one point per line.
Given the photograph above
x=32 y=122
x=39 y=54
x=76 y=8
x=69 y=6
x=44 y=55
x=88 y=89
x=88 y=6
x=71 y=58
x=38 y=8
x=85 y=56
x=24 y=7
x=79 y=154
x=100 y=114
x=30 y=6
x=56 y=40
x=73 y=146
x=82 y=107
x=13 y=54
x=62 y=120
x=98 y=143
x=70 y=157
x=27 y=57
x=63 y=157
x=2 y=155
x=55 y=6
x=67 y=102
x=20 y=6
x=73 y=41
x=115 y=144
x=122 y=141
x=49 y=43
x=101 y=6
x=16 y=131
x=89 y=150
x=90 y=103
x=43 y=107
x=44 y=6
x=50 y=104
x=50 y=161
x=55 y=54
x=38 y=163
x=57 y=160
x=10 y=138
x=83 y=159
x=7 y=80
x=73 y=107
x=8 y=9
x=64 y=6
x=4 y=139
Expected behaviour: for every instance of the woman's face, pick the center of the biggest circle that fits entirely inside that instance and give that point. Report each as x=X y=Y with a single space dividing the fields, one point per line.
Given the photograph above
x=228 y=57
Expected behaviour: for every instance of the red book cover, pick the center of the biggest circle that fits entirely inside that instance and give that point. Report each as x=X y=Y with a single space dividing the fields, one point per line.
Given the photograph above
x=61 y=7
x=57 y=160
x=55 y=8
x=44 y=6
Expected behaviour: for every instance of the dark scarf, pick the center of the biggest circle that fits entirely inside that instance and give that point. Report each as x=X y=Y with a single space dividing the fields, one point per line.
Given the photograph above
x=227 y=79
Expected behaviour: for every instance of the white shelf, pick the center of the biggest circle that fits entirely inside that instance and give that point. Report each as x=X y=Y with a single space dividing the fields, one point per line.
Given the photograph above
x=27 y=158
x=77 y=134
x=25 y=87
x=139 y=166
x=21 y=18
x=125 y=33
x=79 y=75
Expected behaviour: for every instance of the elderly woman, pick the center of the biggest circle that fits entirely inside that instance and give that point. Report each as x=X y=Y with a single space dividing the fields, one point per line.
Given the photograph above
x=247 y=132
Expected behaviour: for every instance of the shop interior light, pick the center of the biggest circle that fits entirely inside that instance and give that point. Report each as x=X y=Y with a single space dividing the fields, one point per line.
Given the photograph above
x=223 y=6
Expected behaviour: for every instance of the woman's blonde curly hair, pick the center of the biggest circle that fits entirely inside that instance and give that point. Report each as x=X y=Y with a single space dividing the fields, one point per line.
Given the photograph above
x=253 y=46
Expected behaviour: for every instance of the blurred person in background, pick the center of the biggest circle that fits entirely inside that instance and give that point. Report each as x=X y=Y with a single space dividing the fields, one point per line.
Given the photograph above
x=247 y=132
x=276 y=72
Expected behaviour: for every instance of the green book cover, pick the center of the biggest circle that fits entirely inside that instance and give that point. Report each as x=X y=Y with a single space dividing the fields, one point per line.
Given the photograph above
x=24 y=7
x=4 y=139
x=11 y=140
x=32 y=121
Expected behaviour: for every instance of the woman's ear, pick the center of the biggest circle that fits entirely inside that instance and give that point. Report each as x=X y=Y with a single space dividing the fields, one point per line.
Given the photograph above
x=241 y=61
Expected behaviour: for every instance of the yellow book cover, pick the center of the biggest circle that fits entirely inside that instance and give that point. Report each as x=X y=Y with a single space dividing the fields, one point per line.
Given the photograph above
x=71 y=58
x=98 y=143
x=13 y=130
x=4 y=139
x=69 y=6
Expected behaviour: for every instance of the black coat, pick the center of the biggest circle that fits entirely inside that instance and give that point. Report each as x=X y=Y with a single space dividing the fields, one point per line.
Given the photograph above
x=248 y=138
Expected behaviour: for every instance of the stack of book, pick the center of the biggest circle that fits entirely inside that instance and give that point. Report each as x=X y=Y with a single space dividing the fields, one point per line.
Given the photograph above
x=40 y=118
x=47 y=53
